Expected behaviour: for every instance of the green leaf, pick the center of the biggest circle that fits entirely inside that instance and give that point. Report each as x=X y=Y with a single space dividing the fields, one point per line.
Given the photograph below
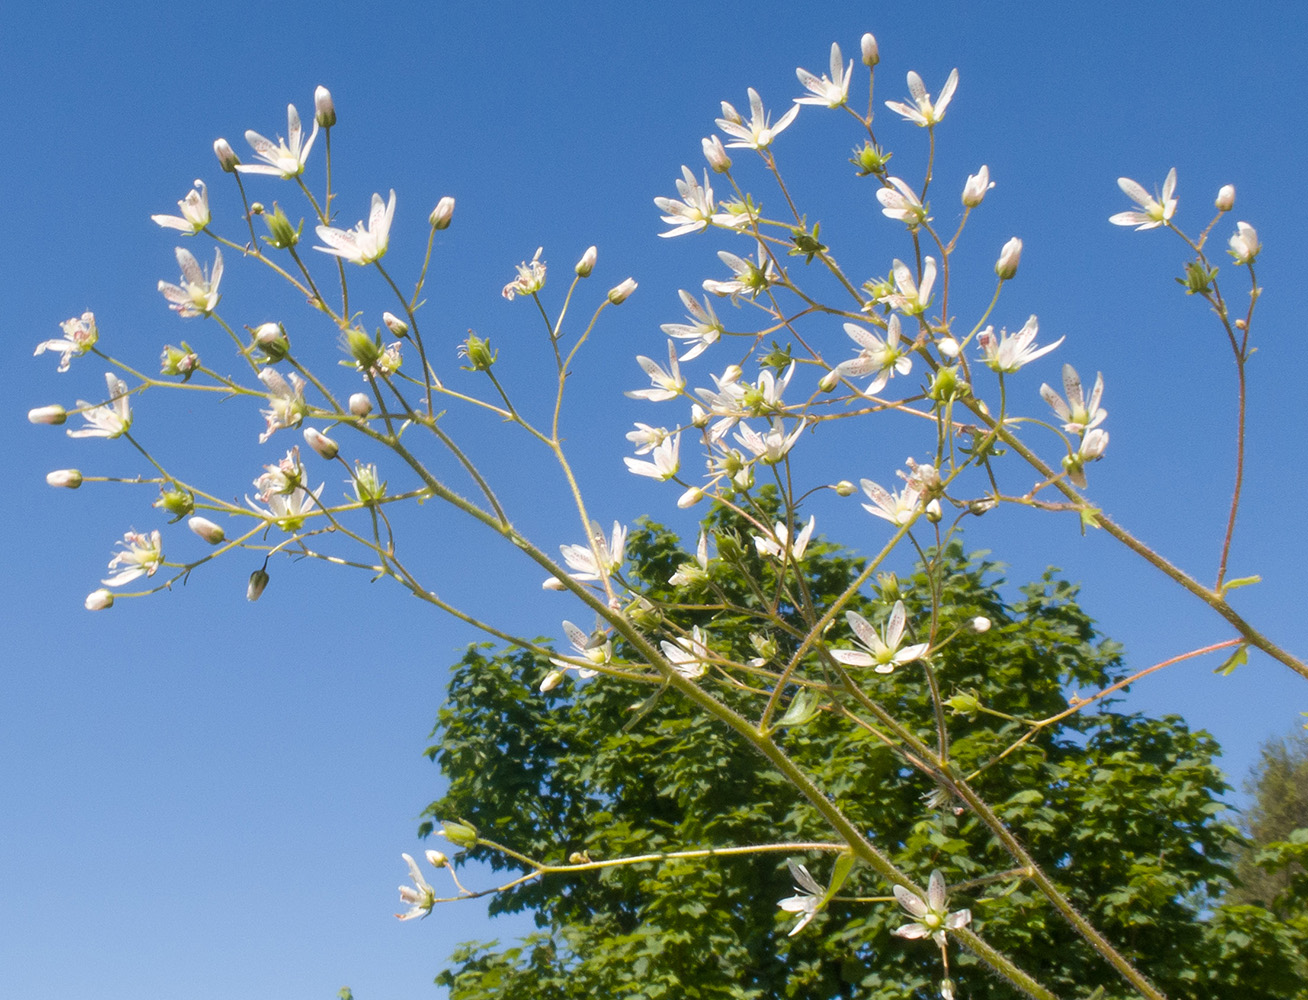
x=1237 y=659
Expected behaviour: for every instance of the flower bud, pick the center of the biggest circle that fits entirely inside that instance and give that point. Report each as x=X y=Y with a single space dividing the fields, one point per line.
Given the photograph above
x=281 y=234
x=177 y=502
x=436 y=859
x=365 y=350
x=55 y=414
x=619 y=293
x=933 y=511
x=845 y=488
x=178 y=361
x=870 y=160
x=691 y=497
x=974 y=191
x=964 y=702
x=980 y=624
x=948 y=347
x=69 y=479
x=1226 y=198
x=1009 y=257
x=324 y=109
x=551 y=680
x=442 y=214
x=587 y=262
x=321 y=443
x=829 y=381
x=98 y=600
x=716 y=155
x=227 y=158
x=871 y=54
x=397 y=326
x=360 y=404
x=889 y=586
x=946 y=385
x=698 y=416
x=258 y=580
x=478 y=352
x=271 y=339
x=207 y=530
x=461 y=834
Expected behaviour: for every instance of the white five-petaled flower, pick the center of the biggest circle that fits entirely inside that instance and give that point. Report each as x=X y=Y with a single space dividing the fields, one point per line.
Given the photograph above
x=110 y=420
x=595 y=561
x=897 y=508
x=704 y=328
x=689 y=655
x=756 y=133
x=880 y=356
x=910 y=297
x=781 y=546
x=142 y=555
x=1077 y=413
x=666 y=460
x=1091 y=449
x=1008 y=353
x=880 y=650
x=285 y=158
x=80 y=335
x=665 y=385
x=362 y=245
x=596 y=648
x=772 y=445
x=922 y=111
x=195 y=212
x=419 y=897
x=1156 y=210
x=807 y=901
x=286 y=406
x=281 y=479
x=974 y=191
x=690 y=574
x=750 y=277
x=289 y=510
x=695 y=210
x=902 y=203
x=646 y=438
x=1244 y=244
x=197 y=295
x=530 y=279
x=829 y=92
x=931 y=917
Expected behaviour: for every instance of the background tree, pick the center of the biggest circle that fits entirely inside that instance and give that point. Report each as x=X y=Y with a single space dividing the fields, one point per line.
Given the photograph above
x=1126 y=808
x=1279 y=788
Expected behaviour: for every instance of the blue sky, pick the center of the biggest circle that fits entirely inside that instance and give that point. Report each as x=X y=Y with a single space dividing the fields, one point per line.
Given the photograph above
x=205 y=797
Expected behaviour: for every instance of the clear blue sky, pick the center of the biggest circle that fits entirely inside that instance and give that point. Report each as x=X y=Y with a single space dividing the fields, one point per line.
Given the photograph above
x=206 y=798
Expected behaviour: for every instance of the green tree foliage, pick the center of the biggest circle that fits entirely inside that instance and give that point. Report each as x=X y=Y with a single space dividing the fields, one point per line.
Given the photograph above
x=1124 y=811
x=1279 y=786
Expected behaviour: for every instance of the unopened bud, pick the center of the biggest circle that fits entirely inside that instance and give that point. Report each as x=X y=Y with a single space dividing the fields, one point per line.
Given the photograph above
x=442 y=214
x=207 y=530
x=551 y=680
x=871 y=54
x=1226 y=198
x=845 y=488
x=436 y=859
x=281 y=234
x=177 y=502
x=397 y=326
x=889 y=584
x=870 y=159
x=461 y=834
x=698 y=416
x=321 y=443
x=619 y=294
x=946 y=385
x=716 y=155
x=55 y=414
x=964 y=702
x=587 y=262
x=1009 y=257
x=362 y=347
x=974 y=191
x=98 y=600
x=68 y=479
x=933 y=511
x=227 y=158
x=829 y=381
x=948 y=347
x=271 y=339
x=691 y=497
x=360 y=404
x=258 y=580
x=980 y=624
x=478 y=352
x=324 y=109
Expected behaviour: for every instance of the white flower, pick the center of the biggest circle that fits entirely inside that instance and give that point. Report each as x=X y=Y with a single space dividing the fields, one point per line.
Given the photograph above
x=281 y=479
x=974 y=191
x=195 y=212
x=1010 y=255
x=596 y=561
x=665 y=385
x=922 y=112
x=689 y=656
x=882 y=357
x=807 y=902
x=690 y=574
x=420 y=897
x=80 y=335
x=694 y=211
x=757 y=133
x=879 y=650
x=597 y=648
x=774 y=444
x=750 y=277
x=110 y=420
x=832 y=91
x=98 y=600
x=909 y=297
x=897 y=508
x=1091 y=450
x=647 y=438
x=900 y=202
x=930 y=916
x=362 y=245
x=666 y=460
x=1157 y=211
x=1009 y=353
x=530 y=279
x=142 y=555
x=780 y=546
x=1244 y=245
x=289 y=510
x=285 y=159
x=704 y=328
x=1078 y=414
x=286 y=406
x=197 y=295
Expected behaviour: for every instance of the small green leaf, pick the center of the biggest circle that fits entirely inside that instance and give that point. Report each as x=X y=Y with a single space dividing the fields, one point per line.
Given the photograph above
x=1089 y=518
x=1237 y=659
x=843 y=866
x=802 y=708
x=1243 y=581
